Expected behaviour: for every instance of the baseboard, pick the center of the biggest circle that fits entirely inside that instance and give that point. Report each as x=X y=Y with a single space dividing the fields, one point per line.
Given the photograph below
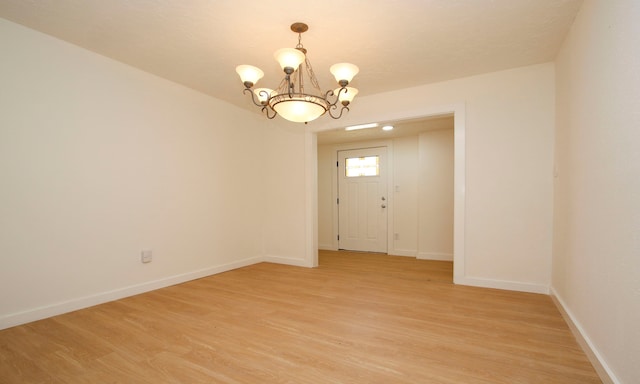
x=44 y=312
x=502 y=284
x=602 y=368
x=327 y=247
x=403 y=252
x=435 y=256
x=287 y=261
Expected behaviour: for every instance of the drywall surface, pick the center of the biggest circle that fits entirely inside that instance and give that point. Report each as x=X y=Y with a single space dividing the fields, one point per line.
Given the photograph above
x=405 y=198
x=596 y=254
x=435 y=195
x=326 y=164
x=100 y=161
x=286 y=194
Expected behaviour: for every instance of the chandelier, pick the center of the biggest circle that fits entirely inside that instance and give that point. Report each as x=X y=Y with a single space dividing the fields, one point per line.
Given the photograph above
x=294 y=99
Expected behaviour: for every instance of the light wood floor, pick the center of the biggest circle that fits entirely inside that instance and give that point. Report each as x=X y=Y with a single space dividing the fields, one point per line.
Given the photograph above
x=358 y=318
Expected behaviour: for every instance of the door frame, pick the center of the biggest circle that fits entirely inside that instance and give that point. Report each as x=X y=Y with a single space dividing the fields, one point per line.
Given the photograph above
x=459 y=181
x=334 y=187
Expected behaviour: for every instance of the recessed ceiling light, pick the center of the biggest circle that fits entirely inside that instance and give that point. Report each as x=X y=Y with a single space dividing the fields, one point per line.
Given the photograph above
x=361 y=126
x=387 y=128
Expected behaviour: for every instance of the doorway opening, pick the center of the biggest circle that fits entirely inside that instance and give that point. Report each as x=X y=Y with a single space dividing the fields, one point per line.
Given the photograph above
x=455 y=114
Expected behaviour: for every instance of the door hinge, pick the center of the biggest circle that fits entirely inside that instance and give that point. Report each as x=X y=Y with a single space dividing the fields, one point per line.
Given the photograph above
x=337 y=163
x=338 y=237
x=338 y=200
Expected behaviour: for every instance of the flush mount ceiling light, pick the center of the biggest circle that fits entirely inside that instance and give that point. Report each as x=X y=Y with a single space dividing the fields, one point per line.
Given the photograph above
x=291 y=99
x=361 y=126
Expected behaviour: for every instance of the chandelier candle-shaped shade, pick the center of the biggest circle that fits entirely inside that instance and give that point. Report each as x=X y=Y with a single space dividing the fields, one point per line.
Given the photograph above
x=298 y=99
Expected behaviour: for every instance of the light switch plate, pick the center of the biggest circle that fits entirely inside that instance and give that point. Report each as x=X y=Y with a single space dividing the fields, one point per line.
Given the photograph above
x=146 y=256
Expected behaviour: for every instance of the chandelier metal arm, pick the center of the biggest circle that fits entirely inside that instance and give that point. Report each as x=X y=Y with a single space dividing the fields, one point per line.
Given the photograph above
x=253 y=97
x=330 y=93
x=333 y=107
x=290 y=86
x=266 y=110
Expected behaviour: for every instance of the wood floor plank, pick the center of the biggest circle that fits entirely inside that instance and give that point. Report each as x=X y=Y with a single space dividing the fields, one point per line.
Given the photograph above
x=356 y=318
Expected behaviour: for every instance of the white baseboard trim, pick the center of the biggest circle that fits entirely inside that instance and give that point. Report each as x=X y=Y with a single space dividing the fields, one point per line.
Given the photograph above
x=502 y=284
x=287 y=261
x=403 y=252
x=327 y=247
x=40 y=313
x=599 y=364
x=435 y=256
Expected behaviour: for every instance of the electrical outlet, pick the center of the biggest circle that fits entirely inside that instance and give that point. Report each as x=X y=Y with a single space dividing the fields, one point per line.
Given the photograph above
x=146 y=256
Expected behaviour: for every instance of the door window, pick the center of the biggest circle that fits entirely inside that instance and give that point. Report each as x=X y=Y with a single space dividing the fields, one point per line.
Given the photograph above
x=362 y=166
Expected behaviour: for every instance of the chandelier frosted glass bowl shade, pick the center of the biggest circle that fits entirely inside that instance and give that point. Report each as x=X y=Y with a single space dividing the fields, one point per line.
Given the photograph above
x=343 y=71
x=249 y=74
x=289 y=58
x=299 y=109
x=346 y=95
x=299 y=98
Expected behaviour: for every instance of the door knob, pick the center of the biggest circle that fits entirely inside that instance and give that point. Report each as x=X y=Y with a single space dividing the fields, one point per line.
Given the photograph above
x=383 y=206
x=383 y=199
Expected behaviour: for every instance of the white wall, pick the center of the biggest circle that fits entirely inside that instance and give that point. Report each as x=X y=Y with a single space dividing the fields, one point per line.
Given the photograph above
x=326 y=164
x=596 y=254
x=99 y=161
x=509 y=120
x=286 y=195
x=435 y=195
x=405 y=196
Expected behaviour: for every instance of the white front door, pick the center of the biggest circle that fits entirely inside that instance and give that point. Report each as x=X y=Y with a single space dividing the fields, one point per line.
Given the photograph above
x=362 y=200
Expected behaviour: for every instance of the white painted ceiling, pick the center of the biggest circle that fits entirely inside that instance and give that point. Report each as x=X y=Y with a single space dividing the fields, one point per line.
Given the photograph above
x=396 y=43
x=401 y=129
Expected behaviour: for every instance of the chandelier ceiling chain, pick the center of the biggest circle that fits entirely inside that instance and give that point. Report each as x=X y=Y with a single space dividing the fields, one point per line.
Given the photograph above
x=290 y=99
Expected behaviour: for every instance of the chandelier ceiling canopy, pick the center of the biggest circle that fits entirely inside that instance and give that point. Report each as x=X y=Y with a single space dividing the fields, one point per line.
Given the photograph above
x=294 y=99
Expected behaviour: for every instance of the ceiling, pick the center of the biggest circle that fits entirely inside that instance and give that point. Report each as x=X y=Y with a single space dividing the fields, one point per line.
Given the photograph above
x=396 y=43
x=400 y=129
